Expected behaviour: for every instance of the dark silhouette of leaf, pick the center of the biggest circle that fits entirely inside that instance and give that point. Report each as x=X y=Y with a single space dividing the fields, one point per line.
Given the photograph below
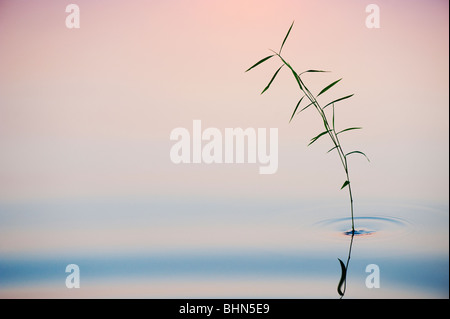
x=345 y=184
x=296 y=107
x=340 y=99
x=332 y=149
x=285 y=38
x=358 y=152
x=293 y=72
x=259 y=62
x=334 y=128
x=349 y=129
x=329 y=87
x=273 y=78
x=342 y=280
x=308 y=71
x=305 y=107
x=317 y=137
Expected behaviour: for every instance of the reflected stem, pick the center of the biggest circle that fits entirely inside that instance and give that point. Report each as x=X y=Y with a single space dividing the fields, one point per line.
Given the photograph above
x=342 y=292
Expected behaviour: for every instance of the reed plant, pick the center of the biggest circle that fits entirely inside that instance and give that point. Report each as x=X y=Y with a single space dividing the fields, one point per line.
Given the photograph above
x=326 y=112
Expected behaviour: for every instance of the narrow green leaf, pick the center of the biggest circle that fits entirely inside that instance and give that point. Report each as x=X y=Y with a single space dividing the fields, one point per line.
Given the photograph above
x=333 y=120
x=345 y=184
x=342 y=280
x=308 y=71
x=349 y=129
x=329 y=87
x=296 y=107
x=273 y=78
x=340 y=99
x=305 y=107
x=317 y=137
x=259 y=62
x=358 y=152
x=297 y=79
x=285 y=38
x=293 y=72
x=332 y=149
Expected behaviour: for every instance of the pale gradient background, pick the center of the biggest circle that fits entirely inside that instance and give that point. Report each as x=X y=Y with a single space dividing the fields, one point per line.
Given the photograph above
x=85 y=114
x=88 y=112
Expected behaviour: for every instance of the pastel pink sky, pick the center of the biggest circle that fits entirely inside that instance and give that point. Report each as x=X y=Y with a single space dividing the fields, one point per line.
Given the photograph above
x=88 y=112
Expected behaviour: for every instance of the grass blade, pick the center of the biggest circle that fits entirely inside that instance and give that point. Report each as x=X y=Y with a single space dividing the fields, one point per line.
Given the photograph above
x=296 y=107
x=312 y=71
x=329 y=87
x=333 y=120
x=259 y=62
x=273 y=78
x=332 y=149
x=285 y=38
x=337 y=100
x=293 y=72
x=342 y=280
x=349 y=129
x=306 y=107
x=358 y=152
x=345 y=184
x=317 y=137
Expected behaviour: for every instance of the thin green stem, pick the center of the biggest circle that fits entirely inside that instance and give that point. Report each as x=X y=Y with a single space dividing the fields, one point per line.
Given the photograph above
x=331 y=131
x=348 y=177
x=334 y=138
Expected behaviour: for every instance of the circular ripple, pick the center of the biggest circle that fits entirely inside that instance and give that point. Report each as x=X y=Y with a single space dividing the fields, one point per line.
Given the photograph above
x=365 y=226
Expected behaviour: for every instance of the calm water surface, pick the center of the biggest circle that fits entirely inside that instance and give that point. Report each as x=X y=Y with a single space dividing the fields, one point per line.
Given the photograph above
x=222 y=249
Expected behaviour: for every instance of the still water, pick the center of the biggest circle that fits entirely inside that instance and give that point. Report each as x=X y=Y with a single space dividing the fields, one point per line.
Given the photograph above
x=188 y=248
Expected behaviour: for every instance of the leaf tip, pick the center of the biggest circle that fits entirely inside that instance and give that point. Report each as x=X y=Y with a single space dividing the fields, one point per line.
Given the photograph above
x=345 y=184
